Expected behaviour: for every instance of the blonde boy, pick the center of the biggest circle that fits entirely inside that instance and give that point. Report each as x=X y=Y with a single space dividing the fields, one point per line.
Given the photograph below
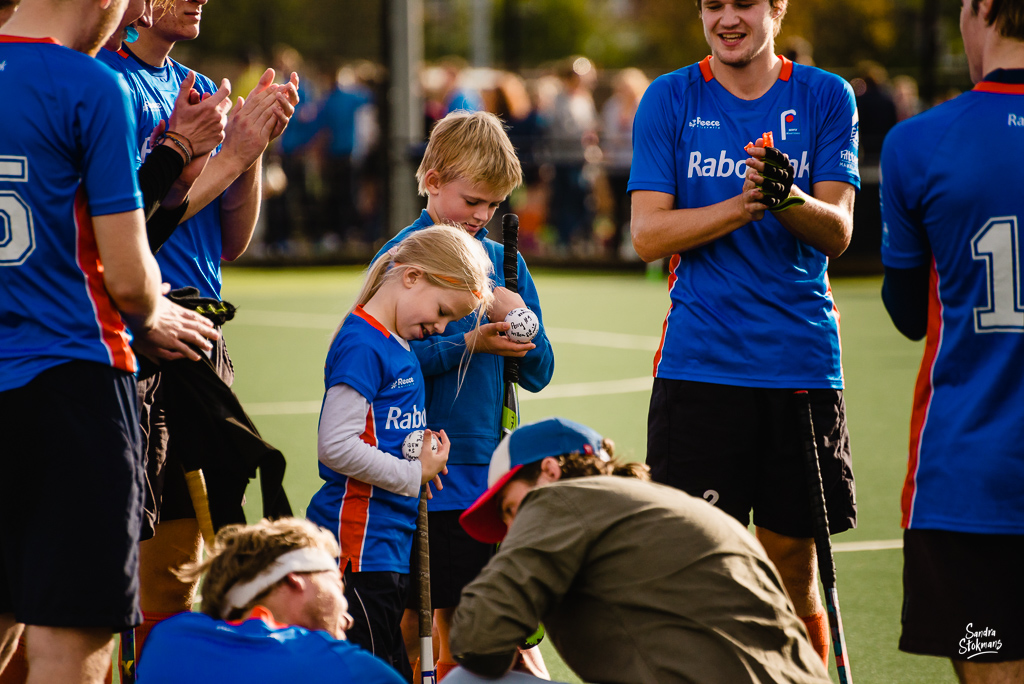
x=468 y=169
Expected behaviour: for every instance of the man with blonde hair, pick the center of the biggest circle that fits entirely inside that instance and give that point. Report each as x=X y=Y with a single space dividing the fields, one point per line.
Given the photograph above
x=274 y=610
x=468 y=169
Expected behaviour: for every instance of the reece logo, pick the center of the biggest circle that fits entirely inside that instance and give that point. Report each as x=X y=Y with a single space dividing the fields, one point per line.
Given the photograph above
x=704 y=123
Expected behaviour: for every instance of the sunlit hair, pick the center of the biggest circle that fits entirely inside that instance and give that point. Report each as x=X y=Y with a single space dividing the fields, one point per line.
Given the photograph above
x=474 y=147
x=780 y=5
x=450 y=257
x=1007 y=15
x=161 y=6
x=587 y=465
x=241 y=552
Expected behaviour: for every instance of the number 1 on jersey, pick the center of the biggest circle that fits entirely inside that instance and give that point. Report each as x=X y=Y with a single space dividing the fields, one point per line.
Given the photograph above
x=998 y=244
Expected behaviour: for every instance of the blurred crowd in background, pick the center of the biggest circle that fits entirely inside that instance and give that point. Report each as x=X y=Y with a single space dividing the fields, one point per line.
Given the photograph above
x=571 y=124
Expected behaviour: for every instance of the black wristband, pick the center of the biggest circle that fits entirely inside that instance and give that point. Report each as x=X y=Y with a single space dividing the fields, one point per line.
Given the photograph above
x=156 y=176
x=161 y=225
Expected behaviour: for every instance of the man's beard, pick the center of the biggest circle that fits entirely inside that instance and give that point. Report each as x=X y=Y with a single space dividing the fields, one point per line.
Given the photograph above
x=106 y=24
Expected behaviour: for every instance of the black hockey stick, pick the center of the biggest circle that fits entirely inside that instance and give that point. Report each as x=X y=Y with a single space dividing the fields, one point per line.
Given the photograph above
x=822 y=540
x=510 y=403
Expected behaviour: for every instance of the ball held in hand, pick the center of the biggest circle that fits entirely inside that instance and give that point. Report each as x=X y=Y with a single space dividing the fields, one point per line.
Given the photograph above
x=525 y=325
x=413 y=444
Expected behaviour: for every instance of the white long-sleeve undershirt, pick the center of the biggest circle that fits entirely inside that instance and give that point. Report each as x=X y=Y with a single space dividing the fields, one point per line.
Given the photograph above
x=339 y=447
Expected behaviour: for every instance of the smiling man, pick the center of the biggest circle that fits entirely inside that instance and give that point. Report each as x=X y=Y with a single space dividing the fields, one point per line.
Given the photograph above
x=752 y=317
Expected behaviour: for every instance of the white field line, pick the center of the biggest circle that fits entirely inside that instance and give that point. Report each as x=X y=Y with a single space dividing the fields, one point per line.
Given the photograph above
x=591 y=338
x=877 y=545
x=579 y=389
x=291 y=319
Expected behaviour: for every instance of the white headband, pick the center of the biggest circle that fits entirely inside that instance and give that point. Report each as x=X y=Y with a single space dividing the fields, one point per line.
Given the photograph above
x=306 y=559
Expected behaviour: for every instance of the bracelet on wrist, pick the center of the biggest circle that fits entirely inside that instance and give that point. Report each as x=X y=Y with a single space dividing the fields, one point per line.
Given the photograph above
x=176 y=139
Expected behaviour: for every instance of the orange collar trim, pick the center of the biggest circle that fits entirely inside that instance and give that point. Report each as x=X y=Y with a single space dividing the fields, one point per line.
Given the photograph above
x=261 y=613
x=1002 y=88
x=359 y=311
x=784 y=75
x=23 y=39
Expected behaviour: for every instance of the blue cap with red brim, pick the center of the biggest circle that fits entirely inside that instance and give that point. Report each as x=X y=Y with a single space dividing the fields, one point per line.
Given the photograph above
x=529 y=444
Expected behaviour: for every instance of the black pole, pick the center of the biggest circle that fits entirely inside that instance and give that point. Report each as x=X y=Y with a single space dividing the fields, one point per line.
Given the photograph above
x=929 y=51
x=511 y=29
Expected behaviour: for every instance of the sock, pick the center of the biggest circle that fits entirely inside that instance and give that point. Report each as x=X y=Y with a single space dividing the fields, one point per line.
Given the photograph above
x=150 y=619
x=443 y=668
x=16 y=671
x=817 y=630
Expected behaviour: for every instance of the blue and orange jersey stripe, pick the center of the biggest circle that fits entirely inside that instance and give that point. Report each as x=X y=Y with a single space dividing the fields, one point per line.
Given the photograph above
x=354 y=515
x=923 y=393
x=111 y=328
x=672 y=264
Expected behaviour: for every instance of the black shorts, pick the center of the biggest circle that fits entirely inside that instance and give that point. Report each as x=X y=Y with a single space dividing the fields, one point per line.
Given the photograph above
x=741 y=449
x=963 y=596
x=167 y=496
x=376 y=602
x=71 y=493
x=455 y=560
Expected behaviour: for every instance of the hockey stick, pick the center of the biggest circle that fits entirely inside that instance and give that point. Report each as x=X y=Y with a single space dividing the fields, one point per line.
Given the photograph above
x=128 y=663
x=822 y=540
x=510 y=403
x=427 y=673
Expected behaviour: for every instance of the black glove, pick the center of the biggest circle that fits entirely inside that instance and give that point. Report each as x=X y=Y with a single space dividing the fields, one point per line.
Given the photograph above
x=778 y=181
x=217 y=311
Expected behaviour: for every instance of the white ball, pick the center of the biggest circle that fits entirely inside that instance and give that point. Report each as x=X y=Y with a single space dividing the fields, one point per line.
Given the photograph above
x=413 y=444
x=525 y=325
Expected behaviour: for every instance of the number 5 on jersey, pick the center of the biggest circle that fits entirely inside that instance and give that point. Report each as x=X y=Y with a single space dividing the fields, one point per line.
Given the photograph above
x=17 y=234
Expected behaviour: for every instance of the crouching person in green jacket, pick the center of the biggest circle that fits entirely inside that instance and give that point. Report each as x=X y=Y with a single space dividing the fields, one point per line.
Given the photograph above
x=633 y=581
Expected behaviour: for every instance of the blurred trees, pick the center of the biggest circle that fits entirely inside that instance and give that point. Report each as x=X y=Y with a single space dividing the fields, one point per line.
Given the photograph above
x=658 y=35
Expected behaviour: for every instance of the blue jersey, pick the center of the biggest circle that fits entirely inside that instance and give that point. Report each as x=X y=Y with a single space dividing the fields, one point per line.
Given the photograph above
x=374 y=526
x=950 y=201
x=192 y=647
x=65 y=156
x=191 y=256
x=467 y=406
x=754 y=307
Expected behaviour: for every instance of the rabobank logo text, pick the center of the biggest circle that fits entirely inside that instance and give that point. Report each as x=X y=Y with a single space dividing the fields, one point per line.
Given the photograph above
x=705 y=124
x=410 y=420
x=721 y=166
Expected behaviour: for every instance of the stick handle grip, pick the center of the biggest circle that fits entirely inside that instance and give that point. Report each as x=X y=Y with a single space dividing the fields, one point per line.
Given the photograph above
x=201 y=503
x=422 y=550
x=510 y=238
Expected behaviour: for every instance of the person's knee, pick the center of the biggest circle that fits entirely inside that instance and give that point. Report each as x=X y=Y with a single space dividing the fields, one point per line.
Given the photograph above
x=176 y=543
x=793 y=557
x=68 y=654
x=1011 y=672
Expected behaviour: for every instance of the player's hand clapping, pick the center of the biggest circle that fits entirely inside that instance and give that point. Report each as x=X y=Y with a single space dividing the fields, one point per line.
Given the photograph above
x=261 y=117
x=770 y=177
x=200 y=120
x=434 y=464
x=176 y=333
